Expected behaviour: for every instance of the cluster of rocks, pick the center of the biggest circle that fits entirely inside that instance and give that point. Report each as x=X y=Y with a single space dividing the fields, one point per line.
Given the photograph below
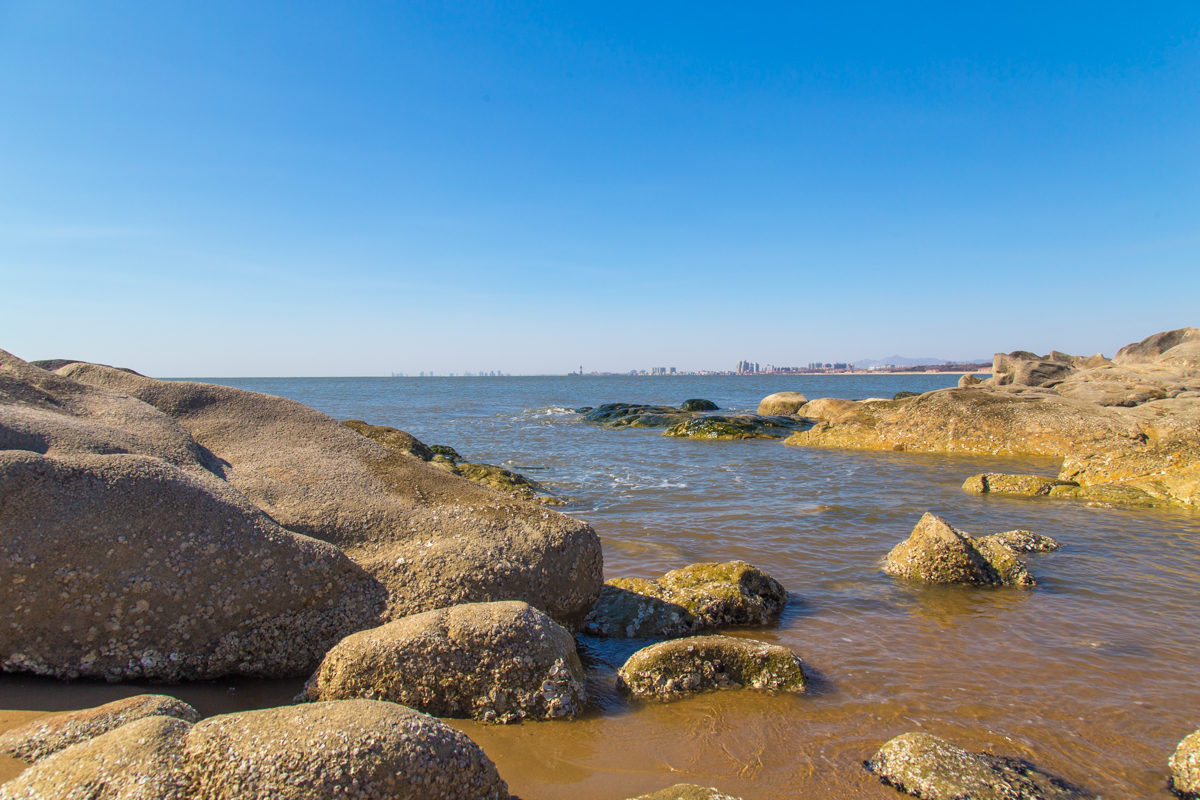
x=185 y=531
x=937 y=552
x=1127 y=430
x=692 y=420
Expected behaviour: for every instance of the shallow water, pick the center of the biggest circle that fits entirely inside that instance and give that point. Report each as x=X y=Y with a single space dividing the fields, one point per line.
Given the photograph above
x=1091 y=674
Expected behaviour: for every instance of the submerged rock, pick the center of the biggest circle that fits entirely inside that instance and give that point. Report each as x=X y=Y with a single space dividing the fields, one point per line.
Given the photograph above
x=927 y=767
x=348 y=748
x=686 y=600
x=141 y=760
x=697 y=404
x=936 y=552
x=1185 y=767
x=999 y=483
x=433 y=539
x=44 y=737
x=497 y=662
x=686 y=791
x=781 y=404
x=632 y=415
x=680 y=667
x=734 y=426
x=1023 y=541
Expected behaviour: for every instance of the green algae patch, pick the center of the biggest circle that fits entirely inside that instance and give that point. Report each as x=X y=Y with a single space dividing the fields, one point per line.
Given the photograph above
x=734 y=426
x=680 y=667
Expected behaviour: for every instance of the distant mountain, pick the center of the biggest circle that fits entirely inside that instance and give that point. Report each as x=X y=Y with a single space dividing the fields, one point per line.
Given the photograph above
x=901 y=361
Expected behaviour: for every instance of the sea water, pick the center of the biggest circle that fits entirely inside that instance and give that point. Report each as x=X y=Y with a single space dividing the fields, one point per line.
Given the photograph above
x=1091 y=675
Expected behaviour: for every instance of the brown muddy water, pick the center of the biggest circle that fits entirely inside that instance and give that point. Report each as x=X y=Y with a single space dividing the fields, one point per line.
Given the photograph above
x=1092 y=674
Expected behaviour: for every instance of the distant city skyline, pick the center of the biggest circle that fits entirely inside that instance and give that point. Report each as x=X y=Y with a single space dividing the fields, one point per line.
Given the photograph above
x=268 y=189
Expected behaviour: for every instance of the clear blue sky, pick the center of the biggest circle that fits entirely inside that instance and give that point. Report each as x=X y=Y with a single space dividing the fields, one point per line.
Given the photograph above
x=295 y=188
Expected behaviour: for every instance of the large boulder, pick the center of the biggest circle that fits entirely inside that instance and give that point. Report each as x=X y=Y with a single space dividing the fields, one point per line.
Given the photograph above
x=680 y=667
x=734 y=426
x=497 y=662
x=44 y=737
x=686 y=791
x=1185 y=767
x=937 y=552
x=781 y=403
x=925 y=766
x=1153 y=347
x=327 y=751
x=685 y=601
x=433 y=539
x=698 y=404
x=141 y=760
x=125 y=567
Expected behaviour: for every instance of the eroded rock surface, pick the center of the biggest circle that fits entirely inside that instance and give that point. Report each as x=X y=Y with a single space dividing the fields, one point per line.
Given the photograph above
x=931 y=768
x=680 y=667
x=433 y=539
x=497 y=662
x=142 y=760
x=349 y=748
x=1185 y=767
x=1131 y=426
x=44 y=737
x=125 y=567
x=685 y=601
x=937 y=552
x=781 y=404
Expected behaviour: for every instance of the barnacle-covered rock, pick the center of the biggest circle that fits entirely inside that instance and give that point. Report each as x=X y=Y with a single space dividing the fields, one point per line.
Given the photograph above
x=687 y=600
x=680 y=667
x=497 y=662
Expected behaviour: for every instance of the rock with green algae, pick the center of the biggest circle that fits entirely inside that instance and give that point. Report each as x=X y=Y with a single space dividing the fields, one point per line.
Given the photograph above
x=734 y=426
x=931 y=768
x=937 y=552
x=447 y=458
x=698 y=404
x=1111 y=494
x=686 y=791
x=781 y=404
x=43 y=737
x=495 y=662
x=1023 y=541
x=1185 y=767
x=1000 y=483
x=680 y=667
x=634 y=415
x=687 y=600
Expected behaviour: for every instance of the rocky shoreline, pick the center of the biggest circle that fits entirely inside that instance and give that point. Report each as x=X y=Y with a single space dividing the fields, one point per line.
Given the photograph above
x=183 y=531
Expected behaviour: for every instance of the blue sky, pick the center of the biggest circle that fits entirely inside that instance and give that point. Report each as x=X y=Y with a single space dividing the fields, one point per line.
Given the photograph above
x=297 y=188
